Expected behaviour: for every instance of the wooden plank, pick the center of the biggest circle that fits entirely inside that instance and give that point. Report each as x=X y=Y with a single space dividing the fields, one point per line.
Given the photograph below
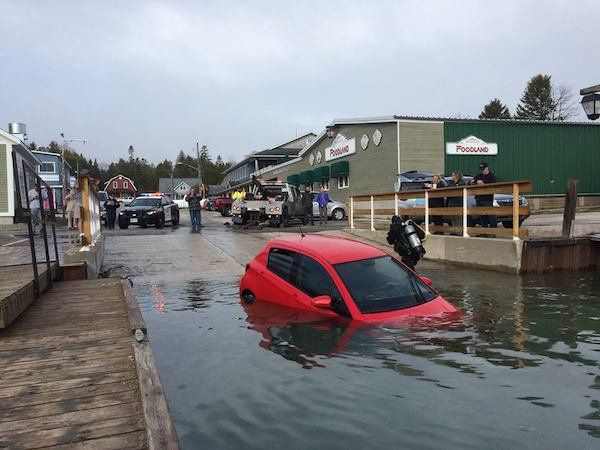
x=136 y=320
x=65 y=385
x=86 y=434
x=160 y=429
x=72 y=419
x=17 y=413
x=129 y=441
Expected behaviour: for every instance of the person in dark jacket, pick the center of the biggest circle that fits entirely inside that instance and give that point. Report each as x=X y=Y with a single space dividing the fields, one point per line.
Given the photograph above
x=111 y=205
x=456 y=202
x=307 y=205
x=193 y=198
x=485 y=177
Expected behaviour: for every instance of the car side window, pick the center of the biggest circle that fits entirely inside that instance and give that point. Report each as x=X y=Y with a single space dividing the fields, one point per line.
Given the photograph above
x=281 y=263
x=313 y=280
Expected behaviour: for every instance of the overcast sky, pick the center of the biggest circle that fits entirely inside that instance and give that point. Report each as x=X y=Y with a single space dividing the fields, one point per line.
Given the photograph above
x=242 y=76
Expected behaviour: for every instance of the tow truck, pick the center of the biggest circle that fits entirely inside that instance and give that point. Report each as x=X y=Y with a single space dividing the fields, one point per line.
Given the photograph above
x=269 y=202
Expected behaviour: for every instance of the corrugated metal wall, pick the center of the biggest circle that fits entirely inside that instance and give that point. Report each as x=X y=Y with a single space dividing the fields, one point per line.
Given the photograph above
x=546 y=154
x=3 y=179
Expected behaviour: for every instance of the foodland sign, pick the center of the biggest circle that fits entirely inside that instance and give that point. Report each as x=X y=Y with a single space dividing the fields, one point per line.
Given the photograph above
x=340 y=147
x=471 y=145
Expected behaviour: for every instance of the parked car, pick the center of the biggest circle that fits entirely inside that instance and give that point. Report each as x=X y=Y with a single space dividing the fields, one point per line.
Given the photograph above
x=154 y=210
x=499 y=200
x=338 y=277
x=223 y=205
x=335 y=210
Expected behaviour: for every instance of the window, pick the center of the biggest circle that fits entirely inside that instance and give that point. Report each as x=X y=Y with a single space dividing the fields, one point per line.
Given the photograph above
x=116 y=184
x=313 y=280
x=47 y=167
x=125 y=185
x=382 y=284
x=343 y=182
x=281 y=263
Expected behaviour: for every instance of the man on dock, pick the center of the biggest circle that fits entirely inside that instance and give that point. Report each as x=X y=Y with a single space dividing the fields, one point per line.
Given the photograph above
x=485 y=177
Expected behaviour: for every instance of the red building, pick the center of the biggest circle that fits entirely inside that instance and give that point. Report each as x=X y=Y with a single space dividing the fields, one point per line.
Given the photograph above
x=120 y=186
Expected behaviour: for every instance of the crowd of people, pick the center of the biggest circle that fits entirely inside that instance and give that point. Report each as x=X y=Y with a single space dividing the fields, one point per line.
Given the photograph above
x=485 y=176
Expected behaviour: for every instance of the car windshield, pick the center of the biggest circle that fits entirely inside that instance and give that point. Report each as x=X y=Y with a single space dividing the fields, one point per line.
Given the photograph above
x=383 y=284
x=145 y=201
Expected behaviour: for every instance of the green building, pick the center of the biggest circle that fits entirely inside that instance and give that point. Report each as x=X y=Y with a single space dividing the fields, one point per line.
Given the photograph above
x=361 y=156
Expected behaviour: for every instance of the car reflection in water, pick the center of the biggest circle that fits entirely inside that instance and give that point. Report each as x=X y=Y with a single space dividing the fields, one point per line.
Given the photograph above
x=308 y=339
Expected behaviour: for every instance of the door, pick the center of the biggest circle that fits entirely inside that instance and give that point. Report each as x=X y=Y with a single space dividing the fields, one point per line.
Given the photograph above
x=167 y=208
x=278 y=286
x=313 y=280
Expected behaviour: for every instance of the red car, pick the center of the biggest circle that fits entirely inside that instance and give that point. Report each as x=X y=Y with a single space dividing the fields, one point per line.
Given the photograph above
x=339 y=278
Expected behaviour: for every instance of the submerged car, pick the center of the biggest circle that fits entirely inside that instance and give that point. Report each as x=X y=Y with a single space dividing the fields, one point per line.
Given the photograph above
x=148 y=210
x=338 y=277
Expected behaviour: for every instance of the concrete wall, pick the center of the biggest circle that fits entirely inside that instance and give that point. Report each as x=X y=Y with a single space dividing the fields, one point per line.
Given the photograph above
x=503 y=255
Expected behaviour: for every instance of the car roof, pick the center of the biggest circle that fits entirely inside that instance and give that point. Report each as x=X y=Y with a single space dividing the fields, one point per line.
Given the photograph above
x=333 y=249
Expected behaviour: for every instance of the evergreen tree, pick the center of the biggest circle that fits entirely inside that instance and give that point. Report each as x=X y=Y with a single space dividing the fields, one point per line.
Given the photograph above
x=495 y=109
x=537 y=102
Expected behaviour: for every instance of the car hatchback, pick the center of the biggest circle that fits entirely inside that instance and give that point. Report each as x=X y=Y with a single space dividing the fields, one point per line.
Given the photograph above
x=338 y=277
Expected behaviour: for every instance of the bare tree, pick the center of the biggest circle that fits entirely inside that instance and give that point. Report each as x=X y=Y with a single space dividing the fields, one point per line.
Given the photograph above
x=565 y=104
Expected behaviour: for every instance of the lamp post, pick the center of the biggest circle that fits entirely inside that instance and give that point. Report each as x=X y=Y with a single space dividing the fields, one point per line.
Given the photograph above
x=591 y=101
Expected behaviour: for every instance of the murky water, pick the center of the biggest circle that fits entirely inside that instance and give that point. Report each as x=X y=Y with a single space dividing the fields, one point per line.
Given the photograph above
x=519 y=370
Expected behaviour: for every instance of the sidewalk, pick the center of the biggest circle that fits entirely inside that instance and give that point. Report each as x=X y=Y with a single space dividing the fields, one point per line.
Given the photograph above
x=550 y=225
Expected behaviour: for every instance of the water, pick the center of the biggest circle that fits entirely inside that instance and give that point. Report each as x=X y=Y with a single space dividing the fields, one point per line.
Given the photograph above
x=518 y=370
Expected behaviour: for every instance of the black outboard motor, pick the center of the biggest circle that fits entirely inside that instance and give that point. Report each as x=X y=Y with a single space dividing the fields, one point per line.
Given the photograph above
x=406 y=237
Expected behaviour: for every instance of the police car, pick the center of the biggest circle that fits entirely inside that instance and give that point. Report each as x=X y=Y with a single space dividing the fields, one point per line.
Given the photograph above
x=154 y=209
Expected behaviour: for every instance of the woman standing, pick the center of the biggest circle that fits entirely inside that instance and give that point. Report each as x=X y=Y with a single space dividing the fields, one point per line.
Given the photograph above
x=457 y=180
x=437 y=182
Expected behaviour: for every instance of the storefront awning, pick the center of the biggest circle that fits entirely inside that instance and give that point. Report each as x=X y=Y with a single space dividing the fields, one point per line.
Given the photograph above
x=294 y=179
x=321 y=173
x=340 y=169
x=305 y=177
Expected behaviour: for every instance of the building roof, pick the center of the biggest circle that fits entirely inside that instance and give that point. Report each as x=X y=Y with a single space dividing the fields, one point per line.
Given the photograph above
x=57 y=155
x=289 y=149
x=164 y=184
x=394 y=118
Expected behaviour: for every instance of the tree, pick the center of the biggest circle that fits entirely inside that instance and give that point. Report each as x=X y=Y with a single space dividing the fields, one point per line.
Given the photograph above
x=537 y=102
x=565 y=104
x=495 y=109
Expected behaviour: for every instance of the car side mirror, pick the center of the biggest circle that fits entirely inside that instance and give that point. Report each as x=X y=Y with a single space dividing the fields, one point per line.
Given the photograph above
x=322 y=301
x=426 y=280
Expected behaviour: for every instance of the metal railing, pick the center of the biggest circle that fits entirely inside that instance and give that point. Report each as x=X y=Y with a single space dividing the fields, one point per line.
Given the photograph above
x=35 y=205
x=373 y=211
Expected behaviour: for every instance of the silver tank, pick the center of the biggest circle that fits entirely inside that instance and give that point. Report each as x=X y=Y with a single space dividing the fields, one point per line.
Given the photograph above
x=17 y=128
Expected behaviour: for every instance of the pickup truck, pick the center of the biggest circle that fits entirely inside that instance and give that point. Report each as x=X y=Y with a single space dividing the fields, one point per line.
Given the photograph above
x=223 y=205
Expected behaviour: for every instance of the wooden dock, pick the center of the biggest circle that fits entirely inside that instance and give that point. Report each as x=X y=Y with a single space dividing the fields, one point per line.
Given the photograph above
x=73 y=376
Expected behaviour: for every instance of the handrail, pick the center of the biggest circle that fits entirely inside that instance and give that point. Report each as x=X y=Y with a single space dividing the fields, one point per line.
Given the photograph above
x=460 y=194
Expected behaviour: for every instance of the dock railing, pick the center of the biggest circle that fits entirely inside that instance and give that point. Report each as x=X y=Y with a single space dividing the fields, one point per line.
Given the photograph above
x=31 y=188
x=458 y=215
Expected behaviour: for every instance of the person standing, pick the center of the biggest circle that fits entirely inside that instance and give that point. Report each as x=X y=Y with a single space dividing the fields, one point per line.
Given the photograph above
x=69 y=207
x=77 y=204
x=486 y=201
x=111 y=205
x=437 y=182
x=193 y=198
x=456 y=202
x=307 y=205
x=34 y=207
x=323 y=200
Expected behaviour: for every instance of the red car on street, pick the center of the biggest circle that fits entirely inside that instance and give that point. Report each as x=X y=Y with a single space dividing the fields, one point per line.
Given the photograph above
x=339 y=278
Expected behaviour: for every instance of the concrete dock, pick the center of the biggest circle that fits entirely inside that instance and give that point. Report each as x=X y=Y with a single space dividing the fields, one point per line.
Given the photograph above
x=74 y=376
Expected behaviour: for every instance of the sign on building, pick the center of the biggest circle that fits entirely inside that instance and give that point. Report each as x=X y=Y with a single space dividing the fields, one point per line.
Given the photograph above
x=340 y=147
x=471 y=145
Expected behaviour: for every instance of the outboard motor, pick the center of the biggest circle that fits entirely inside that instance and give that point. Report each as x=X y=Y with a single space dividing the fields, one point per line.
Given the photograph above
x=407 y=239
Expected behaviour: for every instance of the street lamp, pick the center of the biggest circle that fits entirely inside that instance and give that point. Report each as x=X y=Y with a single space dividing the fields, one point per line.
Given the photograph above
x=591 y=101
